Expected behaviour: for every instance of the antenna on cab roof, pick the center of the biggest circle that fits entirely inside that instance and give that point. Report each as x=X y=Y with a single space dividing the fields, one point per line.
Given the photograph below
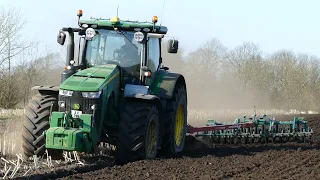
x=118 y=11
x=164 y=1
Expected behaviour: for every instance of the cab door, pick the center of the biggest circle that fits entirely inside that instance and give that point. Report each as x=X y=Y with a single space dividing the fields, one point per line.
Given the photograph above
x=153 y=56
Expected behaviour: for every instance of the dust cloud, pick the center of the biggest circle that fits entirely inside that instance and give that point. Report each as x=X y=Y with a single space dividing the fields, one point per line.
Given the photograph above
x=214 y=89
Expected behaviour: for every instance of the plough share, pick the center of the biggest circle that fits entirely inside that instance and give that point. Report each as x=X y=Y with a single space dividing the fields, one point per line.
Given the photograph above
x=253 y=130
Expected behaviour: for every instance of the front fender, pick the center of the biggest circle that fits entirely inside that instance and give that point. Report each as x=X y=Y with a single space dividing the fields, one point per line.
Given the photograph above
x=47 y=90
x=142 y=92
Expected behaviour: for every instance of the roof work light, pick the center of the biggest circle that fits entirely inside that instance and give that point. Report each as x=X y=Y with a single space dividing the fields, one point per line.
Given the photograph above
x=155 y=19
x=115 y=20
x=79 y=14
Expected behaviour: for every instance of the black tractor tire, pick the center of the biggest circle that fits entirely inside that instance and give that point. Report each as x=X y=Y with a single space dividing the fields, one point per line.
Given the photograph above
x=136 y=119
x=35 y=122
x=168 y=145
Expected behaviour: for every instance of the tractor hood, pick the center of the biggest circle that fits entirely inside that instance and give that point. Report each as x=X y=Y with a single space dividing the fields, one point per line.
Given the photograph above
x=91 y=79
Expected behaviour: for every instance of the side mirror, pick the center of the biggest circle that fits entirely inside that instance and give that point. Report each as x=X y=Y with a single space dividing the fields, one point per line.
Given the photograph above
x=173 y=46
x=61 y=38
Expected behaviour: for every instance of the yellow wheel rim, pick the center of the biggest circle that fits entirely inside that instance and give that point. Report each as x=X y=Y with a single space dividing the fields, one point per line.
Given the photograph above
x=151 y=140
x=179 y=125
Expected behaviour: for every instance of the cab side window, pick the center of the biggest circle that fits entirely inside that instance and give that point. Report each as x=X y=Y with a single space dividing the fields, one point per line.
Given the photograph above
x=153 y=54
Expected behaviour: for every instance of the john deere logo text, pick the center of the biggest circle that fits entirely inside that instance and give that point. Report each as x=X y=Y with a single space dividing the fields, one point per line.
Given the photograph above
x=76 y=106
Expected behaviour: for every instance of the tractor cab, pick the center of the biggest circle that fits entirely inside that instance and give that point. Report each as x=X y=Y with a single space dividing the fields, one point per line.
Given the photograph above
x=135 y=47
x=119 y=48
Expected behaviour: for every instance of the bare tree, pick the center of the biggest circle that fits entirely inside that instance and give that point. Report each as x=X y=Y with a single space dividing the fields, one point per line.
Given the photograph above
x=205 y=61
x=11 y=38
x=36 y=68
x=11 y=45
x=245 y=61
x=202 y=71
x=16 y=80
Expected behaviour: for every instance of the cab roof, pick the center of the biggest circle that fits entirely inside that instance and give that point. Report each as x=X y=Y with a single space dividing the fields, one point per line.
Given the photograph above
x=99 y=23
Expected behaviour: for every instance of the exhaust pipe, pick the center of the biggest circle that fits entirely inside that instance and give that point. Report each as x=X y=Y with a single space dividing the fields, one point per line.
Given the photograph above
x=70 y=56
x=70 y=46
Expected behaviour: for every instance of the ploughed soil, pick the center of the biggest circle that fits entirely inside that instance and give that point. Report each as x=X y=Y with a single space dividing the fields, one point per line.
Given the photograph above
x=267 y=161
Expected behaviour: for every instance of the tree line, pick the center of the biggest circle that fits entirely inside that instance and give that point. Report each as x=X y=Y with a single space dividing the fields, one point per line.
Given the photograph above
x=217 y=77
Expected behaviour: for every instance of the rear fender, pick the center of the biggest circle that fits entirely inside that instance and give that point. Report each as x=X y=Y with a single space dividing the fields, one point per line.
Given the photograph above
x=168 y=82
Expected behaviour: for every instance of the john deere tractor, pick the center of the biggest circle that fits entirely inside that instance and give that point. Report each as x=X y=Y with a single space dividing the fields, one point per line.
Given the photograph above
x=117 y=91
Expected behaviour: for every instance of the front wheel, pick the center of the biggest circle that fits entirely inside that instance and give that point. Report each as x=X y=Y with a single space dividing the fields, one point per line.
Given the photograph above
x=138 y=132
x=36 y=121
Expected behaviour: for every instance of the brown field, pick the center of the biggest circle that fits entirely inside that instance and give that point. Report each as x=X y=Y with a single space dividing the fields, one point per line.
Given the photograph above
x=277 y=161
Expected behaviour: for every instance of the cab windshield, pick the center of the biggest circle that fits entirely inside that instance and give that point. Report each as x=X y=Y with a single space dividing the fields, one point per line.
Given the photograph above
x=113 y=47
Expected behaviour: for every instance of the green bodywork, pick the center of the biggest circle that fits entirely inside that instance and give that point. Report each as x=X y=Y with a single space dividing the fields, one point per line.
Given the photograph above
x=91 y=79
x=76 y=137
x=79 y=134
x=83 y=133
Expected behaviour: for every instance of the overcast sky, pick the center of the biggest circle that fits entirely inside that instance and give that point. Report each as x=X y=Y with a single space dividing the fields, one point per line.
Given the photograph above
x=274 y=24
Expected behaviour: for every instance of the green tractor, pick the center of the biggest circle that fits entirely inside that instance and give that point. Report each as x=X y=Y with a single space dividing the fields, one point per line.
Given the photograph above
x=117 y=92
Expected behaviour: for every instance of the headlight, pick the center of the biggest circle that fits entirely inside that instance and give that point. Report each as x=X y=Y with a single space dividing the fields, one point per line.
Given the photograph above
x=65 y=92
x=93 y=95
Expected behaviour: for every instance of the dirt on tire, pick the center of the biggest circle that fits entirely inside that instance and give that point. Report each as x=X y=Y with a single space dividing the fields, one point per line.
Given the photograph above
x=268 y=161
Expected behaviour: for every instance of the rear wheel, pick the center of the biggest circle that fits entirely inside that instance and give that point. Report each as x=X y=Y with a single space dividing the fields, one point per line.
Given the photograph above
x=36 y=121
x=176 y=112
x=138 y=132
